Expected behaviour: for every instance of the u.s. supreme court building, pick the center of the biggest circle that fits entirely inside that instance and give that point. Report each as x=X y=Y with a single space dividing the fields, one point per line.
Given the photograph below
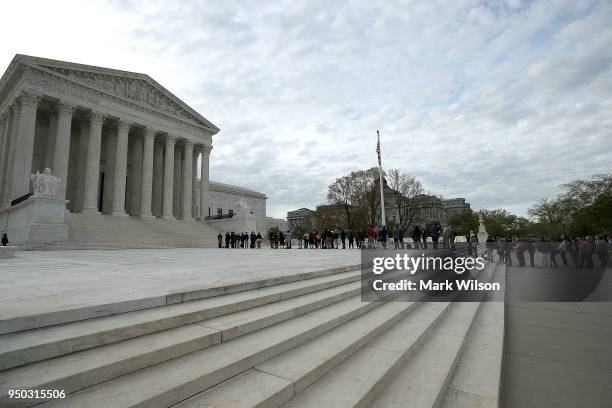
x=121 y=146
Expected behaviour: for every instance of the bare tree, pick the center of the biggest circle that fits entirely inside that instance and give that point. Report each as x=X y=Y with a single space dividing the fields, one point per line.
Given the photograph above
x=404 y=191
x=342 y=194
x=367 y=196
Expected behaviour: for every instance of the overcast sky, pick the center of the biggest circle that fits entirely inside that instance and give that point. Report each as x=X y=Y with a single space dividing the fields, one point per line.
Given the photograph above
x=497 y=102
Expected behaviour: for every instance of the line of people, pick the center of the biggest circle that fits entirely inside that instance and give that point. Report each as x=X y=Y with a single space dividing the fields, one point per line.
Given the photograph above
x=580 y=251
x=240 y=240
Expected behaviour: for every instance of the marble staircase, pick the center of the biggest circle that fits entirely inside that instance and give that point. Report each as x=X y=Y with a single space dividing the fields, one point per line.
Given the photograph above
x=95 y=231
x=309 y=342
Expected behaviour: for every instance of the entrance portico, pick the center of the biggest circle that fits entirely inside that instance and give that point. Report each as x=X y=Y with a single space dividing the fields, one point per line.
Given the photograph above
x=120 y=143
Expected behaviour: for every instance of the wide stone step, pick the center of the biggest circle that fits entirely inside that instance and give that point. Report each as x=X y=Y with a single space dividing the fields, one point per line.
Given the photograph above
x=354 y=382
x=170 y=382
x=80 y=370
x=423 y=382
x=30 y=346
x=279 y=379
x=34 y=321
x=360 y=380
x=476 y=381
x=423 y=379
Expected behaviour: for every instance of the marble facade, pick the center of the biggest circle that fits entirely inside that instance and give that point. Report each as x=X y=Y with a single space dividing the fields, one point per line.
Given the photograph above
x=119 y=142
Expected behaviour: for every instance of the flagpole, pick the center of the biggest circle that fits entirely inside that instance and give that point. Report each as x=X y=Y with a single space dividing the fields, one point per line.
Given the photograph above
x=382 y=195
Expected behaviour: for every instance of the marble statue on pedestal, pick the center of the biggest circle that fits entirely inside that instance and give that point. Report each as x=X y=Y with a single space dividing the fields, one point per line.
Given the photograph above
x=45 y=184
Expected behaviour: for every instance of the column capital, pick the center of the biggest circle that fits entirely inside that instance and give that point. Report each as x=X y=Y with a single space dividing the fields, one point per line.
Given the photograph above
x=124 y=125
x=188 y=144
x=3 y=117
x=65 y=108
x=170 y=139
x=205 y=149
x=28 y=98
x=96 y=118
x=149 y=132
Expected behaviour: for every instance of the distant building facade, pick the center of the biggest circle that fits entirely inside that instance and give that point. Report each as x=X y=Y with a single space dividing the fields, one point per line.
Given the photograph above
x=280 y=224
x=223 y=201
x=429 y=209
x=304 y=217
x=455 y=206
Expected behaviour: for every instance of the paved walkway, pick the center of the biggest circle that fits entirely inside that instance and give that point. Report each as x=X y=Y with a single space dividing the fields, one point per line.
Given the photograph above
x=42 y=282
x=557 y=354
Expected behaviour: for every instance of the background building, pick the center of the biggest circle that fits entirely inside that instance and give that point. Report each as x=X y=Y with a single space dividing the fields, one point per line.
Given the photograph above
x=280 y=224
x=304 y=217
x=224 y=199
x=455 y=206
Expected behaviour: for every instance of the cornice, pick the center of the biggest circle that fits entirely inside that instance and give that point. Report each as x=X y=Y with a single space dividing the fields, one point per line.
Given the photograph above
x=114 y=97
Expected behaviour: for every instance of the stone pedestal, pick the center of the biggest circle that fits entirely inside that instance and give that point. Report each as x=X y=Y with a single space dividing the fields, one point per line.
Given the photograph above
x=238 y=223
x=7 y=252
x=482 y=232
x=36 y=221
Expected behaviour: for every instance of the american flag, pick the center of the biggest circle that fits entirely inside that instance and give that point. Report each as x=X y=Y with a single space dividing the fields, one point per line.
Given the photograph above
x=378 y=148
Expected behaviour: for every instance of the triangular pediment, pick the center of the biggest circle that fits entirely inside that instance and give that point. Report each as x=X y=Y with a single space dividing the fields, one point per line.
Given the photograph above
x=133 y=86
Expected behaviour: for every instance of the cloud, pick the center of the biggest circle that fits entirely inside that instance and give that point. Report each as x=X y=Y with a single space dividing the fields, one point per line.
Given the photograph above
x=496 y=102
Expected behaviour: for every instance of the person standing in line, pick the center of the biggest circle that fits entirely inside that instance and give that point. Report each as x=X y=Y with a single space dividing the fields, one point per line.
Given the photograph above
x=306 y=239
x=351 y=238
x=383 y=237
x=601 y=249
x=445 y=237
x=343 y=238
x=424 y=237
x=335 y=239
x=416 y=237
x=396 y=234
x=259 y=239
x=520 y=253
x=552 y=251
x=562 y=248
x=451 y=237
x=500 y=251
x=219 y=239
x=227 y=239
x=508 y=252
x=371 y=236
x=435 y=235
x=532 y=250
x=281 y=239
x=288 y=240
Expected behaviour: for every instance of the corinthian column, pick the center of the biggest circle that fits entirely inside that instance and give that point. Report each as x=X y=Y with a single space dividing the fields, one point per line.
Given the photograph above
x=4 y=144
x=7 y=194
x=187 y=172
x=194 y=181
x=25 y=126
x=204 y=195
x=62 y=144
x=92 y=163
x=120 y=171
x=147 y=173
x=168 y=178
